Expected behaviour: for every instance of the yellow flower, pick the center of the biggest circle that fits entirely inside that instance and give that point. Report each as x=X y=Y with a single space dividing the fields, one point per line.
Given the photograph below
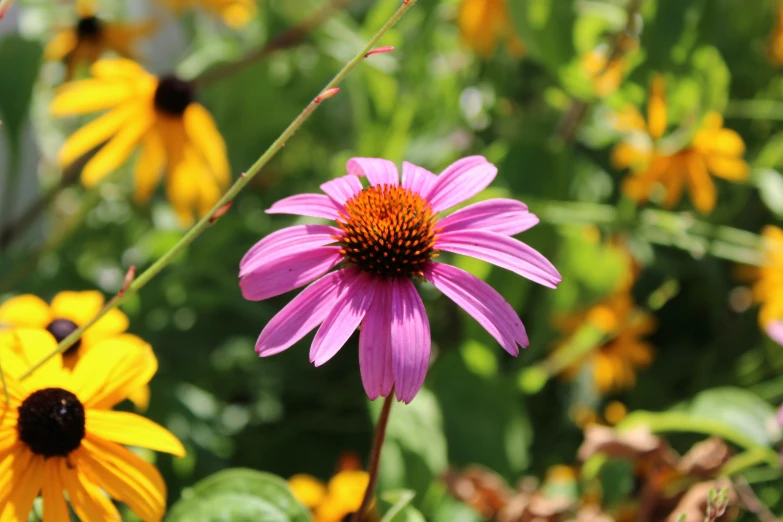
x=483 y=23
x=712 y=150
x=91 y=36
x=176 y=134
x=235 y=13
x=613 y=364
x=59 y=436
x=769 y=277
x=69 y=311
x=335 y=501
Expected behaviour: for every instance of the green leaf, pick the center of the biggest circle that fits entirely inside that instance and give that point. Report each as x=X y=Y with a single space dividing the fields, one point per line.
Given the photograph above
x=237 y=495
x=714 y=77
x=546 y=27
x=20 y=58
x=401 y=510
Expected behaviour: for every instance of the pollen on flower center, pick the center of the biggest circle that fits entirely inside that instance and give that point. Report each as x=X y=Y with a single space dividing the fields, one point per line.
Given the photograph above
x=51 y=422
x=388 y=231
x=89 y=27
x=62 y=328
x=173 y=95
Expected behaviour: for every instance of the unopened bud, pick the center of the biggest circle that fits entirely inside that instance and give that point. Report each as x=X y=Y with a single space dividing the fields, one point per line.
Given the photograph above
x=130 y=275
x=328 y=93
x=219 y=213
x=380 y=50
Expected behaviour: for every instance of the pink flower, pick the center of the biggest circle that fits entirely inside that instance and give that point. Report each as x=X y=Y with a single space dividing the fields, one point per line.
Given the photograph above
x=775 y=331
x=387 y=235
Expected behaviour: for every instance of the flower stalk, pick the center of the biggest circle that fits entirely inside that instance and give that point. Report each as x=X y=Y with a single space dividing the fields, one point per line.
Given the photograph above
x=231 y=193
x=375 y=458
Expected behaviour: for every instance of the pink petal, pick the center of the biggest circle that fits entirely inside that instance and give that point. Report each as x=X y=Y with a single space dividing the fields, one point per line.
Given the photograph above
x=501 y=216
x=417 y=179
x=290 y=240
x=410 y=339
x=286 y=273
x=302 y=314
x=377 y=171
x=346 y=315
x=313 y=205
x=482 y=302
x=780 y=416
x=461 y=181
x=502 y=251
x=775 y=331
x=342 y=189
x=375 y=349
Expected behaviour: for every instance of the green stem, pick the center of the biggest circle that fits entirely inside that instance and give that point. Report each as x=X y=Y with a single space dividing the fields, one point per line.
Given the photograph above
x=743 y=461
x=755 y=109
x=238 y=185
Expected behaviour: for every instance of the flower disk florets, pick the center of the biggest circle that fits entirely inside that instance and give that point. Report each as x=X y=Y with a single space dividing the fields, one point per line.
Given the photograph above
x=89 y=27
x=389 y=231
x=51 y=422
x=173 y=95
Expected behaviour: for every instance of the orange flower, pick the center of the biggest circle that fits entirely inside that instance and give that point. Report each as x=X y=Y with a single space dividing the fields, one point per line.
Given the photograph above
x=485 y=22
x=614 y=363
x=713 y=150
x=775 y=44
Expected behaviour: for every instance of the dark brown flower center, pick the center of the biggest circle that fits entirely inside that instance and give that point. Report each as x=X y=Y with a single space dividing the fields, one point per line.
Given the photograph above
x=51 y=422
x=89 y=27
x=348 y=517
x=389 y=231
x=173 y=95
x=62 y=328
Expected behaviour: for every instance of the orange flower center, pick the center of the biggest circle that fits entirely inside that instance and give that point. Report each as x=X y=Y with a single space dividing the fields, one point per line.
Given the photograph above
x=389 y=231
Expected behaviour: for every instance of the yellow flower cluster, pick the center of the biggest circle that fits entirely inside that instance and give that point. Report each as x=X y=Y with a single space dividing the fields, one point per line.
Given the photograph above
x=59 y=437
x=713 y=150
x=332 y=502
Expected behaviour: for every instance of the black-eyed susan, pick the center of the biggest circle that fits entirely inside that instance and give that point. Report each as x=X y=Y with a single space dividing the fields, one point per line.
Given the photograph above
x=67 y=312
x=175 y=133
x=59 y=437
x=713 y=150
x=234 y=13
x=336 y=501
x=484 y=23
x=612 y=364
x=91 y=36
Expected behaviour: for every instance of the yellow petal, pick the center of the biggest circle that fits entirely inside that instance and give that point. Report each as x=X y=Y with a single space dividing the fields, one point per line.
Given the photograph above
x=481 y=23
x=95 y=133
x=308 y=490
x=24 y=347
x=712 y=120
x=656 y=107
x=191 y=188
x=62 y=44
x=121 y=68
x=140 y=398
x=725 y=142
x=113 y=323
x=85 y=8
x=54 y=506
x=628 y=119
x=701 y=187
x=125 y=476
x=79 y=307
x=149 y=167
x=203 y=133
x=111 y=370
x=630 y=154
x=25 y=310
x=91 y=95
x=121 y=38
x=86 y=499
x=114 y=153
x=132 y=430
x=348 y=487
x=9 y=459
x=729 y=168
x=27 y=480
x=238 y=15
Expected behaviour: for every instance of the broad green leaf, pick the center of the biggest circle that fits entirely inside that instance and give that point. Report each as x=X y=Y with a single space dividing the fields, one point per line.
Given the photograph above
x=770 y=184
x=401 y=510
x=20 y=60
x=237 y=495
